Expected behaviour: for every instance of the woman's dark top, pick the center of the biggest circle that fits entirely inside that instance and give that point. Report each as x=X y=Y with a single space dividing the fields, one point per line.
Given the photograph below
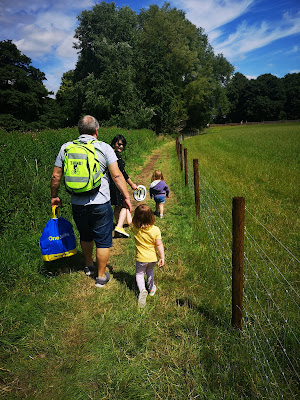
x=116 y=196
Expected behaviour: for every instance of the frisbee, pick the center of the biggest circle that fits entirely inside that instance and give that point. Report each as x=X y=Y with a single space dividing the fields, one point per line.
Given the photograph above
x=140 y=193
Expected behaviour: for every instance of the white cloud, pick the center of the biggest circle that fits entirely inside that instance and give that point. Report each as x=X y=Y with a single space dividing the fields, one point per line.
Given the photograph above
x=55 y=20
x=295 y=49
x=65 y=48
x=44 y=31
x=38 y=42
x=250 y=37
x=9 y=7
x=212 y=14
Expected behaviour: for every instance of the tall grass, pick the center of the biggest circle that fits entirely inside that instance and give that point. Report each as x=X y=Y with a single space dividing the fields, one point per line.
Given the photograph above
x=62 y=338
x=26 y=163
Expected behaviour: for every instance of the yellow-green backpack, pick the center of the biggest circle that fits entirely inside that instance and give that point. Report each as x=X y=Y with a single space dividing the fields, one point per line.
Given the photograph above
x=81 y=168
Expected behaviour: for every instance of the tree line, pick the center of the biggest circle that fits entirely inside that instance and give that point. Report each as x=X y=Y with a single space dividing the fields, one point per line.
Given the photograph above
x=154 y=69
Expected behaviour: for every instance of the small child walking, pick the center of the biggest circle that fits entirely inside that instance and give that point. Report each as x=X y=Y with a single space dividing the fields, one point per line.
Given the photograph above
x=148 y=242
x=158 y=190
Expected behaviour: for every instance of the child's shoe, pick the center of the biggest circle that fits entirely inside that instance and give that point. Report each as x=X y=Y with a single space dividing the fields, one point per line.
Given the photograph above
x=142 y=298
x=89 y=271
x=152 y=291
x=156 y=213
x=121 y=231
x=161 y=216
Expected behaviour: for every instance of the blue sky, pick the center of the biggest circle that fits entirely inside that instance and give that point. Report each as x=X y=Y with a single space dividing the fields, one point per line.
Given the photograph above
x=256 y=36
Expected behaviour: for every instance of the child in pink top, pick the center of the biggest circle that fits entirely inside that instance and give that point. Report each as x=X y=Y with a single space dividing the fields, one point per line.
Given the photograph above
x=148 y=242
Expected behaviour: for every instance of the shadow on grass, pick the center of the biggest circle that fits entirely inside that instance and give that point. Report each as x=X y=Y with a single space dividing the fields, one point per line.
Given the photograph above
x=125 y=278
x=64 y=265
x=213 y=318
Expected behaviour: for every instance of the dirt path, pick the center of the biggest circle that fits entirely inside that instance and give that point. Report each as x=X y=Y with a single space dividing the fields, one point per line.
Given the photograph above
x=143 y=178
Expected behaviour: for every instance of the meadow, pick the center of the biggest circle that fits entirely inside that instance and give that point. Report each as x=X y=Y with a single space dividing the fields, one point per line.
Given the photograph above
x=61 y=338
x=260 y=163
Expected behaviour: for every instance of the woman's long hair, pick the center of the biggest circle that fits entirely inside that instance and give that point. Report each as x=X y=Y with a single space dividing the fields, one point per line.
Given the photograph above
x=118 y=138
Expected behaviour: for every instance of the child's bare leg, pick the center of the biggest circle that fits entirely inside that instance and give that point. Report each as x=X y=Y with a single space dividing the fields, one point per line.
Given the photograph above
x=128 y=217
x=161 y=209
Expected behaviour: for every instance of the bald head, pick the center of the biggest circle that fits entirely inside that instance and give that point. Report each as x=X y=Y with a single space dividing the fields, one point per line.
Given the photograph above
x=88 y=125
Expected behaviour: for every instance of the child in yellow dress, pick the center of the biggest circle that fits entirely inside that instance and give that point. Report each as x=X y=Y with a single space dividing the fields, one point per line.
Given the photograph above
x=148 y=242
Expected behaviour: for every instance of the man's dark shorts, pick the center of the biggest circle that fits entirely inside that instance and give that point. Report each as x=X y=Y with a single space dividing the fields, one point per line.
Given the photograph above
x=94 y=223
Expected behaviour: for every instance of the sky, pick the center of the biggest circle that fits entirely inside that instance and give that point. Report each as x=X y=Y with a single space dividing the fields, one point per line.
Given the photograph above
x=255 y=36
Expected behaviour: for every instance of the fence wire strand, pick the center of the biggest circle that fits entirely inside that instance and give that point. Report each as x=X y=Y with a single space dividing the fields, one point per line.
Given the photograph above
x=271 y=302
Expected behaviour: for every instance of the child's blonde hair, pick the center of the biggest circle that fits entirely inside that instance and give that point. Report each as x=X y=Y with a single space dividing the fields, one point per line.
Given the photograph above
x=143 y=216
x=157 y=174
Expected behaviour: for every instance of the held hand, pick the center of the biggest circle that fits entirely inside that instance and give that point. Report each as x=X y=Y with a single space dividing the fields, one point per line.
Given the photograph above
x=55 y=201
x=161 y=262
x=128 y=204
x=134 y=186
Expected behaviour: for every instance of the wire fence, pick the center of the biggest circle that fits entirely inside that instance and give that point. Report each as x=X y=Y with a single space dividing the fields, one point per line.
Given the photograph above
x=271 y=302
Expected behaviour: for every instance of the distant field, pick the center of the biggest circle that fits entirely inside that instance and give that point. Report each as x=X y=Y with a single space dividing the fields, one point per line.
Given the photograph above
x=260 y=163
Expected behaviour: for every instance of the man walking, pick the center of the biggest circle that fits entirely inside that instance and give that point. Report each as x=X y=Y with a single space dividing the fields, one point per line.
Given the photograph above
x=93 y=213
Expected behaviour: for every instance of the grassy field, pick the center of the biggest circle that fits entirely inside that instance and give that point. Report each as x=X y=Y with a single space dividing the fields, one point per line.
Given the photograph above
x=63 y=339
x=260 y=163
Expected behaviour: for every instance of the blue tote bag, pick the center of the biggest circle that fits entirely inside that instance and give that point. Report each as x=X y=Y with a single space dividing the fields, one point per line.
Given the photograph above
x=58 y=238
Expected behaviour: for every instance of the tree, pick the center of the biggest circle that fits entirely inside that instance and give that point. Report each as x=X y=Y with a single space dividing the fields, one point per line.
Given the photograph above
x=107 y=65
x=143 y=70
x=182 y=77
x=264 y=99
x=291 y=84
x=22 y=93
x=235 y=93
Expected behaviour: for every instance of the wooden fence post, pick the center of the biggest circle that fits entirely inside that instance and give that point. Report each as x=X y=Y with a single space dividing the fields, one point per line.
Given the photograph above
x=186 y=167
x=238 y=233
x=180 y=154
x=196 y=186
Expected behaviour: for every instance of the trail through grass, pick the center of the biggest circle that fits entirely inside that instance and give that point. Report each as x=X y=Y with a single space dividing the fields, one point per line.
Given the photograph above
x=90 y=343
x=65 y=339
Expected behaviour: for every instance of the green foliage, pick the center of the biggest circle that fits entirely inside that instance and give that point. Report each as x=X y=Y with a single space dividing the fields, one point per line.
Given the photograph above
x=266 y=98
x=291 y=83
x=24 y=101
x=132 y=70
x=22 y=91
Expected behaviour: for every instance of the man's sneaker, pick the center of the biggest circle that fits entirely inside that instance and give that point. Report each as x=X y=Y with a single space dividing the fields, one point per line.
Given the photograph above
x=121 y=231
x=142 y=298
x=152 y=291
x=102 y=282
x=89 y=271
